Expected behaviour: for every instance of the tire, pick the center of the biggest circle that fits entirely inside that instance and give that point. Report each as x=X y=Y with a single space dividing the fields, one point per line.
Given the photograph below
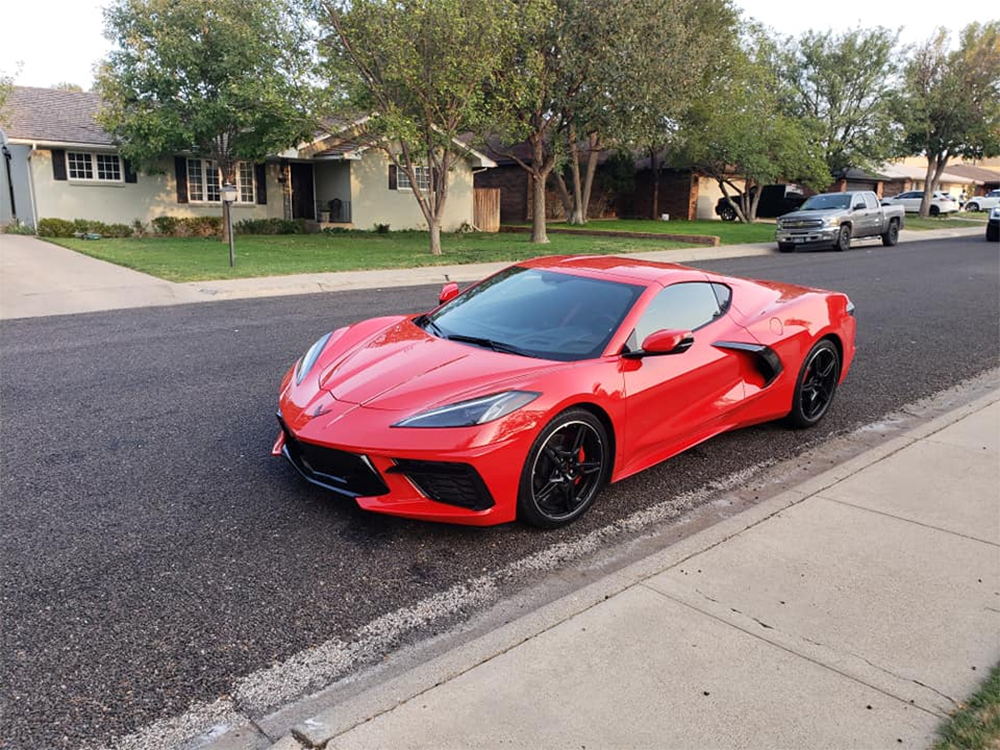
x=816 y=385
x=993 y=233
x=972 y=207
x=558 y=484
x=891 y=237
x=934 y=211
x=843 y=241
x=727 y=213
x=785 y=247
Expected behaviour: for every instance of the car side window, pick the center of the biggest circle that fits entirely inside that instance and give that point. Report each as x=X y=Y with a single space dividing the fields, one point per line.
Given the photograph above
x=680 y=307
x=870 y=200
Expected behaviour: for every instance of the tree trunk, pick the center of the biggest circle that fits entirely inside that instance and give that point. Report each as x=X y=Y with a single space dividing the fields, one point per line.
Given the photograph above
x=588 y=180
x=576 y=217
x=538 y=233
x=564 y=195
x=435 y=232
x=925 y=202
x=754 y=203
x=654 y=212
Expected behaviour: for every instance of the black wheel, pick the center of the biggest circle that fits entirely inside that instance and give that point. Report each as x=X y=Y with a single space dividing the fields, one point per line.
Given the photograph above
x=785 y=247
x=727 y=213
x=935 y=211
x=972 y=207
x=816 y=386
x=891 y=237
x=567 y=465
x=843 y=242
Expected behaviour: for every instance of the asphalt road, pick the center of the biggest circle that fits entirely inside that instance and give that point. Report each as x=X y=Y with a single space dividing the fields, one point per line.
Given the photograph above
x=151 y=551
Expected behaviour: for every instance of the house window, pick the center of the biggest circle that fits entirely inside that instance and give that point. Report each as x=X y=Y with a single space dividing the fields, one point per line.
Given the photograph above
x=423 y=175
x=205 y=181
x=84 y=165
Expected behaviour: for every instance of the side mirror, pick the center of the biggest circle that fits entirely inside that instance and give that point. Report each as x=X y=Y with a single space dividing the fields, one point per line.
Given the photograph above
x=859 y=206
x=448 y=292
x=663 y=342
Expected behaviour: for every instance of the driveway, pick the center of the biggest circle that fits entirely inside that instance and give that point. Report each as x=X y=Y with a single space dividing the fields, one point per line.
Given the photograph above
x=39 y=278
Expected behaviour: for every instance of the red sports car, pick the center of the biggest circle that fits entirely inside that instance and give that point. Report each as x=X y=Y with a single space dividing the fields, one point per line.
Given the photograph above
x=523 y=395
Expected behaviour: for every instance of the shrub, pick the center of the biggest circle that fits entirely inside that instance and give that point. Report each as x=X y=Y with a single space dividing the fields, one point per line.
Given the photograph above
x=18 y=227
x=117 y=230
x=138 y=228
x=199 y=226
x=270 y=226
x=165 y=225
x=55 y=228
x=381 y=228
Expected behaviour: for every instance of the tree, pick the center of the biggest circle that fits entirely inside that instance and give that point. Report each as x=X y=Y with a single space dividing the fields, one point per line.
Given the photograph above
x=6 y=86
x=950 y=104
x=737 y=131
x=67 y=86
x=223 y=80
x=421 y=68
x=841 y=86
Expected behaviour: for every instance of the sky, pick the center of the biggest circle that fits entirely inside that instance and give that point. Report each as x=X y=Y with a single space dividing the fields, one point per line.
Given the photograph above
x=70 y=41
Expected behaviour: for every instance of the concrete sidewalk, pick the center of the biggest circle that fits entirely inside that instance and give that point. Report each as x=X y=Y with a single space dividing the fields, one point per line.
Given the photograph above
x=854 y=611
x=38 y=278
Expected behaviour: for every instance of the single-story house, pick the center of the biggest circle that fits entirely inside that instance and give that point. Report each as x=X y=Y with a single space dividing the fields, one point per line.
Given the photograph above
x=64 y=165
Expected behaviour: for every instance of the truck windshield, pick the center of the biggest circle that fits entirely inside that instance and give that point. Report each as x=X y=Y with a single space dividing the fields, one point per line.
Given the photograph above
x=822 y=202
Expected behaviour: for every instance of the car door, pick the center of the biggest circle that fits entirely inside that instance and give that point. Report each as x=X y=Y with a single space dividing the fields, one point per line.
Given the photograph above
x=873 y=214
x=675 y=400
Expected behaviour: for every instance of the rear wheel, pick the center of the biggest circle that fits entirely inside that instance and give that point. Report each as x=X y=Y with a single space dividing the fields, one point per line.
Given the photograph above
x=972 y=207
x=727 y=213
x=891 y=236
x=935 y=211
x=567 y=465
x=843 y=242
x=816 y=386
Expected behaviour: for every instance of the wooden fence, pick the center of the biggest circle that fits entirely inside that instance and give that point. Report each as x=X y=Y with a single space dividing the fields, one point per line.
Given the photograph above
x=486 y=209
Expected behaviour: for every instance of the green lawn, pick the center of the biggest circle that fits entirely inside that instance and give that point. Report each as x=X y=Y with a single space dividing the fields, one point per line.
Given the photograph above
x=976 y=724
x=199 y=259
x=952 y=221
x=728 y=232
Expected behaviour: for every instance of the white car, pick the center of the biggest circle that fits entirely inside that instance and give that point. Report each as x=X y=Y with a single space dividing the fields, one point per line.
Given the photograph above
x=941 y=203
x=983 y=202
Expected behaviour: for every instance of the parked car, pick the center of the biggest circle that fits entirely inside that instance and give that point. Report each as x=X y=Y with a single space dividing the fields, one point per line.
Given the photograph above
x=993 y=226
x=524 y=395
x=776 y=200
x=983 y=202
x=834 y=219
x=941 y=203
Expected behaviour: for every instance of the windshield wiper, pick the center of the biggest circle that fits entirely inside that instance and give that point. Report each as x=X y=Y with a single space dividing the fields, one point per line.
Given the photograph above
x=497 y=346
x=426 y=323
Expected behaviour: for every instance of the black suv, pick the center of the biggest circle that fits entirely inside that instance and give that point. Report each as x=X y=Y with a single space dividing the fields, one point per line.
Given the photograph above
x=776 y=200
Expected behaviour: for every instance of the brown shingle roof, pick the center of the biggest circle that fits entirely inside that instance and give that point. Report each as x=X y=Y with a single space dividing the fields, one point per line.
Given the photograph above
x=50 y=115
x=976 y=174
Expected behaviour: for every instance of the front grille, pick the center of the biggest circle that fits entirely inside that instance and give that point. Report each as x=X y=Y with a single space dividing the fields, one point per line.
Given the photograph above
x=801 y=223
x=340 y=471
x=450 y=483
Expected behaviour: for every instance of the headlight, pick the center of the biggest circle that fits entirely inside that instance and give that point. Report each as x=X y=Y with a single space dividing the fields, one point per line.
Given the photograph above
x=304 y=365
x=831 y=221
x=468 y=413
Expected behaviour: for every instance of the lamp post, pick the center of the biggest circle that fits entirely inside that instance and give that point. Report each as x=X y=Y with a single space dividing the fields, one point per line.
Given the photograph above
x=229 y=197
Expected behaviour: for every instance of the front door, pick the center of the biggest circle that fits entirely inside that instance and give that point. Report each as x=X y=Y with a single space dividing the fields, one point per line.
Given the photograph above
x=303 y=197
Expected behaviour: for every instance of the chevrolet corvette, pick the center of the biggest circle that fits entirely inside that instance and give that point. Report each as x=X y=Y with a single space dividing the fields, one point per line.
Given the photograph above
x=523 y=395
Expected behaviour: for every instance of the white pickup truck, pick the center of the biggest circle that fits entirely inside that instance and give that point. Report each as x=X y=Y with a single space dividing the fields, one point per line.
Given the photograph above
x=983 y=202
x=834 y=219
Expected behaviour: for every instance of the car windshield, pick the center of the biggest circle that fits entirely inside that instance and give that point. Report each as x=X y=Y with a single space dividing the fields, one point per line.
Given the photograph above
x=822 y=202
x=536 y=313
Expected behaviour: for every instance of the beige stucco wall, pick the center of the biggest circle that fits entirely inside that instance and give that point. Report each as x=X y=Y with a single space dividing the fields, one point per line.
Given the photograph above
x=150 y=196
x=372 y=202
x=708 y=195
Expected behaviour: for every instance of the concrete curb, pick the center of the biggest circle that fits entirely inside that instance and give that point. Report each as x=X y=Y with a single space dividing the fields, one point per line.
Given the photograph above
x=323 y=727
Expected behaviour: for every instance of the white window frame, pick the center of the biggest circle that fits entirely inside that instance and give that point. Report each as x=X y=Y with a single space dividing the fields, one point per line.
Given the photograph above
x=91 y=157
x=204 y=165
x=423 y=175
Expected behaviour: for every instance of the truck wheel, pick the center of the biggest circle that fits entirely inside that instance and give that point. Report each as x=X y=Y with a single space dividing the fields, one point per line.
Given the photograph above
x=785 y=247
x=727 y=213
x=843 y=242
x=891 y=237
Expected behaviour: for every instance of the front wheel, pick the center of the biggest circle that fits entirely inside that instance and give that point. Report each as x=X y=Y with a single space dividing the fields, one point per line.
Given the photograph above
x=891 y=236
x=727 y=213
x=972 y=207
x=785 y=247
x=843 y=242
x=567 y=465
x=816 y=385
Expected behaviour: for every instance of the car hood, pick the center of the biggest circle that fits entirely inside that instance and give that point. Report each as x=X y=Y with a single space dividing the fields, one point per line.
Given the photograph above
x=820 y=214
x=402 y=367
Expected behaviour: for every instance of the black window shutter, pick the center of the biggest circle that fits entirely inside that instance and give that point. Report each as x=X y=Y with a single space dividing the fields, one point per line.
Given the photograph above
x=260 y=177
x=392 y=177
x=130 y=175
x=58 y=164
x=181 y=172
